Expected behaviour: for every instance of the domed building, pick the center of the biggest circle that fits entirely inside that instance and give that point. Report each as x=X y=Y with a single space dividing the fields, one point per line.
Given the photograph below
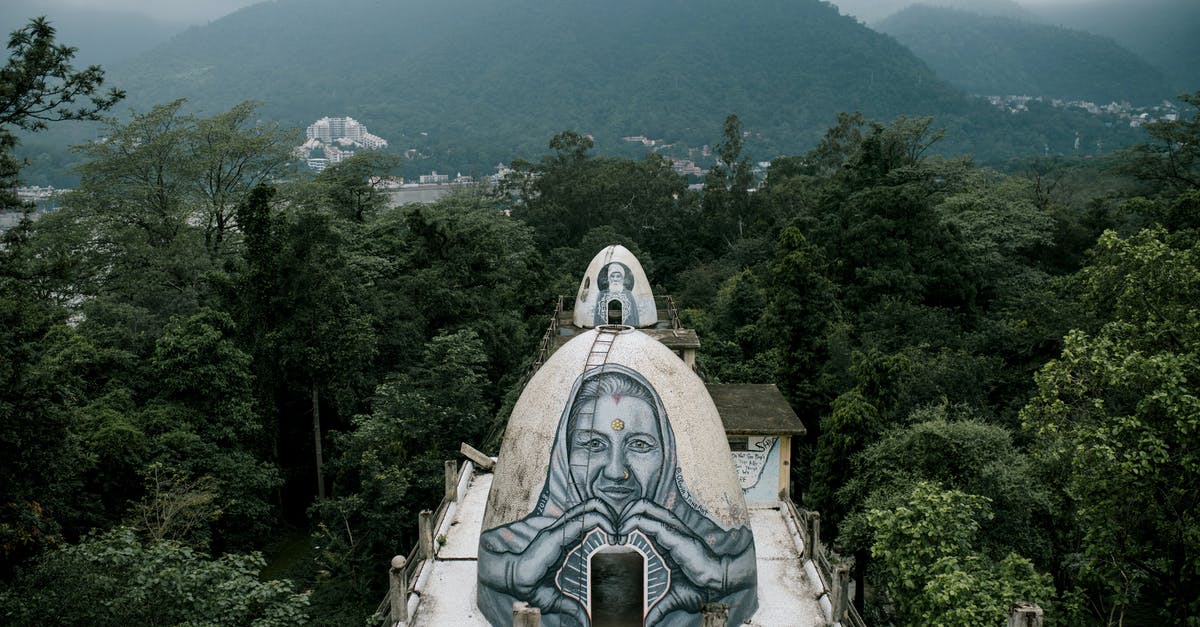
x=624 y=493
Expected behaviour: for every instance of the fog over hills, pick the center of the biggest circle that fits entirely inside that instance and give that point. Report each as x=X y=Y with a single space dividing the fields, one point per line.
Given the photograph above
x=463 y=84
x=874 y=11
x=103 y=36
x=1001 y=55
x=1164 y=32
x=441 y=75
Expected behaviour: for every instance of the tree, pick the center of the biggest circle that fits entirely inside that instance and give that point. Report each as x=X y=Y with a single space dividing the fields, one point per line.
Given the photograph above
x=390 y=465
x=931 y=570
x=351 y=188
x=38 y=85
x=113 y=579
x=1172 y=158
x=952 y=447
x=1118 y=413
x=232 y=153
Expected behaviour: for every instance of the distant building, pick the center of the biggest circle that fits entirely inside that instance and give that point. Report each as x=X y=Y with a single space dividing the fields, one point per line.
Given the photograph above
x=326 y=134
x=434 y=178
x=328 y=130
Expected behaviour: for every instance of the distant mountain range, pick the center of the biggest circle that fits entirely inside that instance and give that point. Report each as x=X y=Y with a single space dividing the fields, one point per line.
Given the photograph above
x=476 y=76
x=1164 y=32
x=994 y=55
x=874 y=11
x=464 y=84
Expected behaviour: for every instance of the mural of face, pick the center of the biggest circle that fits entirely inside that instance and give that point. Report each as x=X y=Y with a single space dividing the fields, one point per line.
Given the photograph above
x=616 y=450
x=616 y=278
x=614 y=480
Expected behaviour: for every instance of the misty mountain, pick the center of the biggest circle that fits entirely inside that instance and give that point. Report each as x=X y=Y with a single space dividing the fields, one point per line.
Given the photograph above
x=102 y=36
x=477 y=79
x=1164 y=32
x=994 y=55
x=873 y=11
x=464 y=84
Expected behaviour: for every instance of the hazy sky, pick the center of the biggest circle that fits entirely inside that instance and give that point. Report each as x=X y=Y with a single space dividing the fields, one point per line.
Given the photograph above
x=201 y=11
x=187 y=11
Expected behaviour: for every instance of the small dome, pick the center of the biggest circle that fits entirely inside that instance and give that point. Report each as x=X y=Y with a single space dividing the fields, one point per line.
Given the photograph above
x=615 y=290
x=615 y=447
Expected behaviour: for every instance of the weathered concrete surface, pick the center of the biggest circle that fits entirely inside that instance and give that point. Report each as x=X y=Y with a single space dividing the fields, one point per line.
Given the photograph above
x=447 y=593
x=786 y=595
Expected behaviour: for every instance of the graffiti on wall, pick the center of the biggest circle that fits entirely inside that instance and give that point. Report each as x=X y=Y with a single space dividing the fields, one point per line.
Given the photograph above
x=615 y=283
x=614 y=485
x=751 y=462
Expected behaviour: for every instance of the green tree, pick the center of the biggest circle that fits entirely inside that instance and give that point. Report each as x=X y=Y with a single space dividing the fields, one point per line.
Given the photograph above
x=929 y=566
x=233 y=152
x=952 y=447
x=1172 y=158
x=38 y=85
x=114 y=579
x=352 y=187
x=727 y=202
x=390 y=465
x=1119 y=414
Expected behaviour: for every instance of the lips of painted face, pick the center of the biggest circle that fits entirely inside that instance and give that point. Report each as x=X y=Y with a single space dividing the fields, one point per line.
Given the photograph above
x=616 y=451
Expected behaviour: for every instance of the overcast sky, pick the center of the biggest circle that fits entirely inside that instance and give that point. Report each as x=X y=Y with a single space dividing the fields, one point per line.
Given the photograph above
x=186 y=11
x=201 y=11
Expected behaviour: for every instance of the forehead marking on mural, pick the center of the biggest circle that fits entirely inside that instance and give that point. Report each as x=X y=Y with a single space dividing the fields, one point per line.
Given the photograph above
x=618 y=424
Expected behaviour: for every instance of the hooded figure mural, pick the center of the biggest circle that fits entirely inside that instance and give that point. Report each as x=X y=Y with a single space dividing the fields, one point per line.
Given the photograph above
x=614 y=485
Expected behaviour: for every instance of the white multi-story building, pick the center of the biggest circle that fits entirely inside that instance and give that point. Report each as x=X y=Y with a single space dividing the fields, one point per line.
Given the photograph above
x=328 y=130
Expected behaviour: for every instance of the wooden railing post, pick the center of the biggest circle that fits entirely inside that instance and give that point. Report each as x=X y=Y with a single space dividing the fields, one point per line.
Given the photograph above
x=841 y=592
x=814 y=536
x=481 y=460
x=451 y=480
x=525 y=616
x=1024 y=614
x=425 y=528
x=397 y=592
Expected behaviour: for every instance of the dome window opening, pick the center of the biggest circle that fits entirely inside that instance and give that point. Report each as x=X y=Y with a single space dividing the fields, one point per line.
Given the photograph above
x=617 y=581
x=615 y=312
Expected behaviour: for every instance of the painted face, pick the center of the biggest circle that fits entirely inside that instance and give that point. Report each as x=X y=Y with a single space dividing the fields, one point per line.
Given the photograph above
x=616 y=451
x=616 y=278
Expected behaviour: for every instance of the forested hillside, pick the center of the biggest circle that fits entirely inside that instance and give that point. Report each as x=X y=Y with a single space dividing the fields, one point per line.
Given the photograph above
x=995 y=55
x=467 y=84
x=227 y=388
x=1164 y=32
x=481 y=81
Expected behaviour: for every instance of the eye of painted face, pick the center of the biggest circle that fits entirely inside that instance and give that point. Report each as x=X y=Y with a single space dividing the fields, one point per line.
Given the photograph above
x=641 y=444
x=590 y=441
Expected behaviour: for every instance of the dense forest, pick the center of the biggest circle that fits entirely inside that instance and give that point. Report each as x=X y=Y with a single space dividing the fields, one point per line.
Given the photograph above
x=227 y=388
x=998 y=55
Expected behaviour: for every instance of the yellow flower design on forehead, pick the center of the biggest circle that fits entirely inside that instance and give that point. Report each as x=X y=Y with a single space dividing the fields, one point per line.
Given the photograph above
x=618 y=424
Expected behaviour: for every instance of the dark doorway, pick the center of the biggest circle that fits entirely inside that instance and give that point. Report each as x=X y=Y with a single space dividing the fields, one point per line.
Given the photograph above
x=618 y=588
x=615 y=315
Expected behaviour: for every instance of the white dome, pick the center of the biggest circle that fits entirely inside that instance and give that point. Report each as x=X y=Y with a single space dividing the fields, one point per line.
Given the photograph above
x=615 y=447
x=701 y=447
x=598 y=294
